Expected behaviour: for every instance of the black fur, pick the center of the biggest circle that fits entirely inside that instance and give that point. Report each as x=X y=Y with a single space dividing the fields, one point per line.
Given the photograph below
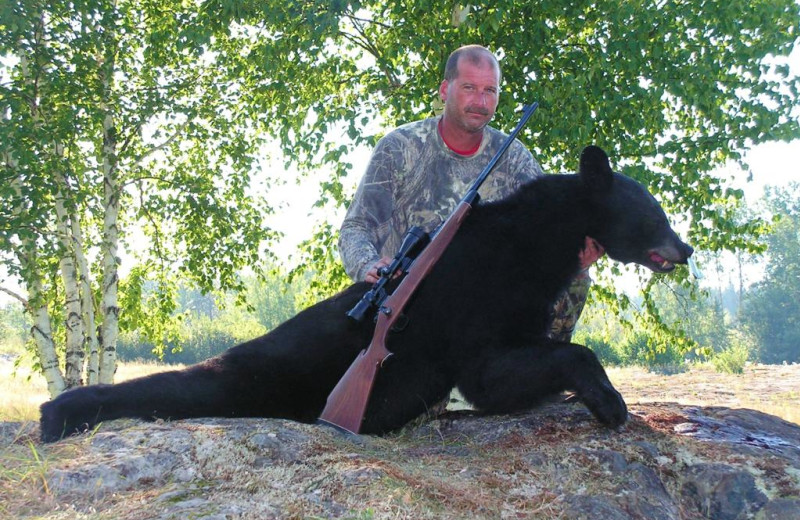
x=477 y=322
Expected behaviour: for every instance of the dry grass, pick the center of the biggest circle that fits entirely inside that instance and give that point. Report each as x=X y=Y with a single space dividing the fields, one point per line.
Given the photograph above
x=772 y=389
x=24 y=462
x=24 y=465
x=22 y=390
x=21 y=393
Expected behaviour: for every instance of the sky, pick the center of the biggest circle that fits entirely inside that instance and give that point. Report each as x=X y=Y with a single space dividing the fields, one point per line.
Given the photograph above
x=773 y=164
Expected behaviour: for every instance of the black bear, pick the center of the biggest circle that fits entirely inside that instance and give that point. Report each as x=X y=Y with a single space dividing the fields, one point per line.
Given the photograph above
x=478 y=322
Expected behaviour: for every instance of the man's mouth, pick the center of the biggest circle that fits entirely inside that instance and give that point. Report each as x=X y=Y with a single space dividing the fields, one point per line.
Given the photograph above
x=477 y=111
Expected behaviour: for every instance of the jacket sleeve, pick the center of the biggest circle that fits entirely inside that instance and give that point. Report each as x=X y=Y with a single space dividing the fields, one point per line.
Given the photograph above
x=568 y=308
x=366 y=225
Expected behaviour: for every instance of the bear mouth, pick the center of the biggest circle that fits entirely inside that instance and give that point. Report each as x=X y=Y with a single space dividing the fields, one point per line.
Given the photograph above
x=660 y=264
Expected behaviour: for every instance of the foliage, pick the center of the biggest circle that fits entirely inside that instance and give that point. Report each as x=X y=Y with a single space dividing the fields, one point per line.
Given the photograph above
x=155 y=115
x=320 y=265
x=273 y=300
x=731 y=360
x=697 y=313
x=210 y=326
x=671 y=89
x=645 y=331
x=119 y=115
x=200 y=338
x=631 y=341
x=605 y=352
x=640 y=349
x=12 y=329
x=771 y=309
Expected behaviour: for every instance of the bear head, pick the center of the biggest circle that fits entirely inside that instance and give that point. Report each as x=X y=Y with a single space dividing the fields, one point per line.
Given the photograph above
x=629 y=223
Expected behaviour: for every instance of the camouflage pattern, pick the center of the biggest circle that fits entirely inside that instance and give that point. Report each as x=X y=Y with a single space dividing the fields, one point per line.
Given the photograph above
x=568 y=308
x=414 y=179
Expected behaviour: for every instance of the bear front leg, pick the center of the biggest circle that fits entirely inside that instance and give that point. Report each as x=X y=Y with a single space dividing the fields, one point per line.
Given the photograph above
x=509 y=380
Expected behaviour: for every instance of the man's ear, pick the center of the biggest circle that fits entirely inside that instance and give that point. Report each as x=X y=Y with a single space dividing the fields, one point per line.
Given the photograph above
x=443 y=90
x=595 y=171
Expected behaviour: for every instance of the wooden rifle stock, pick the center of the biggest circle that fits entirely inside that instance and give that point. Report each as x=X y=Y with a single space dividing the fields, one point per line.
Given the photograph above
x=348 y=400
x=347 y=403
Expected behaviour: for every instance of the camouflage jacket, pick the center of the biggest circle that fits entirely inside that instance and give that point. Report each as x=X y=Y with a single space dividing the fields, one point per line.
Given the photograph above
x=414 y=179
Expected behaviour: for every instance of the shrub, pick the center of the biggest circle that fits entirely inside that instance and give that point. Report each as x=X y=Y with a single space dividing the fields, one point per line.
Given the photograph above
x=731 y=360
x=603 y=350
x=638 y=349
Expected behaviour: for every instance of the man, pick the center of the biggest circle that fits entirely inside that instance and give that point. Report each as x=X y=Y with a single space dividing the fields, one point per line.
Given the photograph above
x=420 y=171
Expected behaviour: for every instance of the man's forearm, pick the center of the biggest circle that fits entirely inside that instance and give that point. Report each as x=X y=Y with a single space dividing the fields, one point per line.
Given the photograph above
x=568 y=308
x=356 y=252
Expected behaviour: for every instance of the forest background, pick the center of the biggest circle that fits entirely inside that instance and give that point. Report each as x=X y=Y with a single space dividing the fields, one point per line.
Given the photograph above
x=145 y=147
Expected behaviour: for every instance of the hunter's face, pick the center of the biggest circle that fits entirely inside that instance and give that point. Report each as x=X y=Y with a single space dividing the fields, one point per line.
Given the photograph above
x=471 y=97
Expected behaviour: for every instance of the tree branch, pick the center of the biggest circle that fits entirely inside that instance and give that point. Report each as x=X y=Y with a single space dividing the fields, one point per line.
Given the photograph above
x=154 y=149
x=16 y=296
x=361 y=39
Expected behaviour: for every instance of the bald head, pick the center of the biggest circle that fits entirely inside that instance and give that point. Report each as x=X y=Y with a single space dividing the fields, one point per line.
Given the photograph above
x=474 y=54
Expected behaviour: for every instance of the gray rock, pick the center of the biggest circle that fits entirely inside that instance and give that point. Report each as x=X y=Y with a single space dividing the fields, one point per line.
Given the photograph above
x=594 y=508
x=721 y=492
x=552 y=462
x=780 y=509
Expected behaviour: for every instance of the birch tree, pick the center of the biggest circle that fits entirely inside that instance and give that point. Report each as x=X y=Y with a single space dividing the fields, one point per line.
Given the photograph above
x=116 y=115
x=154 y=115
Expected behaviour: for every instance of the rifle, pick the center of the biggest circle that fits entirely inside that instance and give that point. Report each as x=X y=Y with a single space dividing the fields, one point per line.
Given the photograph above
x=347 y=403
x=414 y=241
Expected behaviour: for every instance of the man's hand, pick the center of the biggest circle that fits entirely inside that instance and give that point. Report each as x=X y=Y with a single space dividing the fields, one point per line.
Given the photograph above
x=591 y=253
x=372 y=274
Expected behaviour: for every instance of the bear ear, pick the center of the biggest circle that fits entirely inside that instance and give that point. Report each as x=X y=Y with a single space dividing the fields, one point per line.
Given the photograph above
x=595 y=170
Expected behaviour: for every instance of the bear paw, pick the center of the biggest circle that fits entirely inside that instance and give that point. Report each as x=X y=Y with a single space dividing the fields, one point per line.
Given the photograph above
x=605 y=403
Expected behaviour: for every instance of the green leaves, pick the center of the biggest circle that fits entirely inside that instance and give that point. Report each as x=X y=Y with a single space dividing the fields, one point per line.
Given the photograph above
x=194 y=95
x=770 y=309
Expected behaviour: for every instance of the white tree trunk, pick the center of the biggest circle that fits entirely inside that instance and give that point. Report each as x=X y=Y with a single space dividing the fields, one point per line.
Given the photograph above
x=110 y=304
x=41 y=329
x=43 y=335
x=87 y=304
x=73 y=322
x=71 y=229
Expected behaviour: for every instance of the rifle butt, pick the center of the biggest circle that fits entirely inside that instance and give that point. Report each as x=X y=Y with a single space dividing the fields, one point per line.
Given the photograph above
x=347 y=403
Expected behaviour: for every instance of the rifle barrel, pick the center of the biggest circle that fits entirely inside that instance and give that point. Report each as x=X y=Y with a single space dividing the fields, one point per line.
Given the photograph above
x=472 y=193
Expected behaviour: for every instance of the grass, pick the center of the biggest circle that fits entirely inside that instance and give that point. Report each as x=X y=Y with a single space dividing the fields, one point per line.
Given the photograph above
x=21 y=393
x=22 y=390
x=24 y=462
x=771 y=389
